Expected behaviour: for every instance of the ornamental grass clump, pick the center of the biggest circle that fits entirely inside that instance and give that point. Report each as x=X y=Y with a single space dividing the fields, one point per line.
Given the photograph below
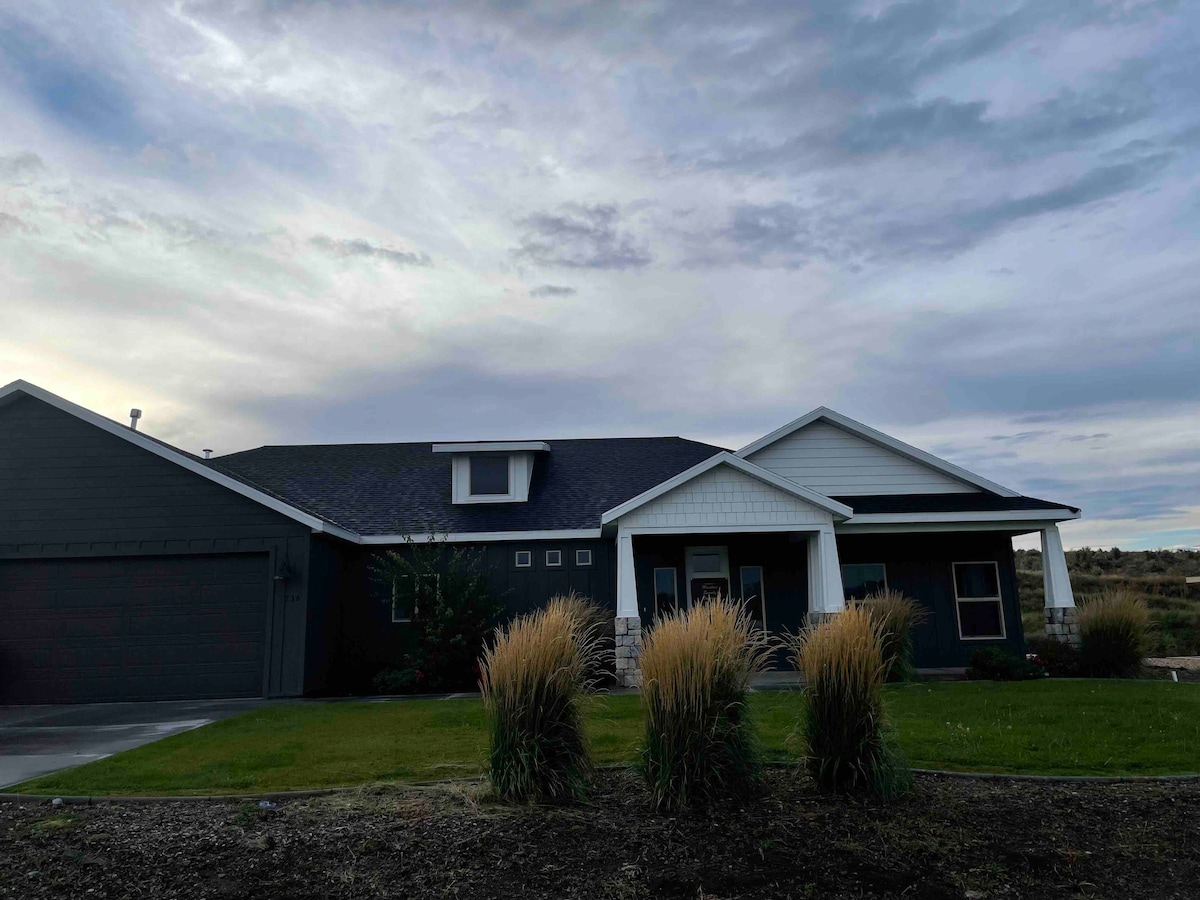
x=534 y=680
x=1113 y=633
x=895 y=616
x=696 y=669
x=842 y=720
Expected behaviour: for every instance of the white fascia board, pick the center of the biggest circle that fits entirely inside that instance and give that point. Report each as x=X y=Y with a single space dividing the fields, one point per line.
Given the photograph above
x=883 y=440
x=480 y=537
x=1061 y=514
x=493 y=447
x=180 y=459
x=728 y=459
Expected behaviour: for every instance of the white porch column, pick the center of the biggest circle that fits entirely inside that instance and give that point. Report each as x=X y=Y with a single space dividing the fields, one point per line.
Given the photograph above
x=1061 y=623
x=628 y=623
x=825 y=594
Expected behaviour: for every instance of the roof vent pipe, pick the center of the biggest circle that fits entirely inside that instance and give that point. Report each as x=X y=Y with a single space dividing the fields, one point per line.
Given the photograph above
x=207 y=453
x=134 y=415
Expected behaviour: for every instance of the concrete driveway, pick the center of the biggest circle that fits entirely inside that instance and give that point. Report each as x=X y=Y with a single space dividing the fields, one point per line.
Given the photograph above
x=36 y=740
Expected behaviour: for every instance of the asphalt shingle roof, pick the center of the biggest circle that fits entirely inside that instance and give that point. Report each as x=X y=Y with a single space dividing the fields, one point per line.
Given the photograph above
x=928 y=503
x=405 y=488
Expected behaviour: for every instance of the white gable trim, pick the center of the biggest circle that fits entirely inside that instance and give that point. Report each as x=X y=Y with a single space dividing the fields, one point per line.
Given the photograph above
x=880 y=439
x=725 y=458
x=171 y=455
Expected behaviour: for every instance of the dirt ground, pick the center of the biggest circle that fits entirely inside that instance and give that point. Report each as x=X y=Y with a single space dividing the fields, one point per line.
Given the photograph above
x=952 y=838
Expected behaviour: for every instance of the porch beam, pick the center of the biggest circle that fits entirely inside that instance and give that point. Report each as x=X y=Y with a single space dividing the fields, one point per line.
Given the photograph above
x=1055 y=578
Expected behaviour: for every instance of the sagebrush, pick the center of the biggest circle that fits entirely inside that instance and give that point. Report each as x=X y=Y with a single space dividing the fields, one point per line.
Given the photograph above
x=842 y=718
x=534 y=680
x=700 y=741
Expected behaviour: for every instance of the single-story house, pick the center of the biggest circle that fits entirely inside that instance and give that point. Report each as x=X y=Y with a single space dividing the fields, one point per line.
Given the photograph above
x=131 y=569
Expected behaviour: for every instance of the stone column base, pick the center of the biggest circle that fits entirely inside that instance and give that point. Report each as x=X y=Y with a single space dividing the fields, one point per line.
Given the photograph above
x=629 y=651
x=1062 y=624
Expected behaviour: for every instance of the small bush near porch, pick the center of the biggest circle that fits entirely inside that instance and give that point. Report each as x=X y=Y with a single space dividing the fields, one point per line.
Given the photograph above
x=1081 y=727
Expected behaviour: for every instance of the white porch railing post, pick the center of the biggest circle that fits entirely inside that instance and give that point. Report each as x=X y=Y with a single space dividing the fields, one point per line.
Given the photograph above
x=628 y=623
x=1056 y=580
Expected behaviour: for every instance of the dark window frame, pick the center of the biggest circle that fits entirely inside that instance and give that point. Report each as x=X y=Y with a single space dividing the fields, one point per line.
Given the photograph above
x=998 y=599
x=674 y=585
x=517 y=564
x=762 y=588
x=554 y=565
x=406 y=620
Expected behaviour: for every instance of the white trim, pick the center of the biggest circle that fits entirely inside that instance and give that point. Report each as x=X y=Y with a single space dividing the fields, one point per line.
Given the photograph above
x=728 y=459
x=520 y=474
x=1058 y=514
x=880 y=439
x=482 y=537
x=517 y=556
x=721 y=551
x=1056 y=579
x=627 y=599
x=674 y=585
x=180 y=459
x=721 y=529
x=554 y=565
x=492 y=447
x=591 y=558
x=998 y=600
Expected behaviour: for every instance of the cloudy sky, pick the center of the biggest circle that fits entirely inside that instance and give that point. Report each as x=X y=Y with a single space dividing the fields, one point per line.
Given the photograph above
x=974 y=226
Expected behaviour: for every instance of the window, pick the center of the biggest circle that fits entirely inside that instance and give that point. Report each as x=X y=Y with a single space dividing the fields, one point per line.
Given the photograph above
x=666 y=595
x=489 y=475
x=860 y=579
x=977 y=596
x=523 y=559
x=583 y=557
x=407 y=602
x=706 y=563
x=753 y=593
x=553 y=558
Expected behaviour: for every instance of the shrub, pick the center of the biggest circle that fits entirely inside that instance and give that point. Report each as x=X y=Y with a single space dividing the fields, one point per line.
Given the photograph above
x=696 y=669
x=1113 y=634
x=895 y=616
x=451 y=610
x=534 y=680
x=1058 y=658
x=842 y=719
x=998 y=664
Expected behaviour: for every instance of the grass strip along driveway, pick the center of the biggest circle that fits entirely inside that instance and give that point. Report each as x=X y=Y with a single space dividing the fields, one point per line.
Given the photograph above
x=1046 y=727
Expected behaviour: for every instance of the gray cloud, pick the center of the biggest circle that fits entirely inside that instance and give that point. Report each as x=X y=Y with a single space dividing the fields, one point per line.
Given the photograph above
x=10 y=224
x=581 y=236
x=20 y=168
x=357 y=248
x=552 y=290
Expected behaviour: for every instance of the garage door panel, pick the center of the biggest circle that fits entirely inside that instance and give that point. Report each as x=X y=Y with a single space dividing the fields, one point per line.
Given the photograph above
x=132 y=627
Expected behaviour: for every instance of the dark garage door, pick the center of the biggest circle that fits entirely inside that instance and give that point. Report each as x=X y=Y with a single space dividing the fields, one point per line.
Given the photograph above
x=132 y=628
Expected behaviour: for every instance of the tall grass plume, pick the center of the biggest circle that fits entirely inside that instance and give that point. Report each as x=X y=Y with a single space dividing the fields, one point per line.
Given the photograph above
x=534 y=679
x=1114 y=634
x=842 y=718
x=895 y=617
x=696 y=671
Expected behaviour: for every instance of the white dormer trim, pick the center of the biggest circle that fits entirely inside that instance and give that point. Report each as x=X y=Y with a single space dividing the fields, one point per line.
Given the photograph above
x=520 y=474
x=839 y=510
x=822 y=413
x=493 y=447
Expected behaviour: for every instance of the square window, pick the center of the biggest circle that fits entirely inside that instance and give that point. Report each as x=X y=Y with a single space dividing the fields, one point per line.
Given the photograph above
x=666 y=595
x=860 y=579
x=978 y=602
x=583 y=557
x=553 y=558
x=523 y=559
x=409 y=597
x=489 y=475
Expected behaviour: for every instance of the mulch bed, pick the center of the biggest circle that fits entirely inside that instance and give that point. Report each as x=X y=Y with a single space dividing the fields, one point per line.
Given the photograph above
x=952 y=838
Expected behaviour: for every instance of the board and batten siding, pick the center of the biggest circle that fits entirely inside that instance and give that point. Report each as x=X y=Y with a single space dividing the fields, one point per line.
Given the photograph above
x=725 y=496
x=836 y=463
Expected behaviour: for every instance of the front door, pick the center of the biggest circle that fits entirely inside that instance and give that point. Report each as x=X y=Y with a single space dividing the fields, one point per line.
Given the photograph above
x=707 y=573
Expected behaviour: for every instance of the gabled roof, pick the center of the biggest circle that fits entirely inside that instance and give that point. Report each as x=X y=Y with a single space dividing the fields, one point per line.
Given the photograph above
x=186 y=460
x=832 y=417
x=725 y=458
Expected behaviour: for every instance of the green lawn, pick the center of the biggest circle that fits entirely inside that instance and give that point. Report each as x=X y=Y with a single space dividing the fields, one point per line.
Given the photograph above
x=1049 y=727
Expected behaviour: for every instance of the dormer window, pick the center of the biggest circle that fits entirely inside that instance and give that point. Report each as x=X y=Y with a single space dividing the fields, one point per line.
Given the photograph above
x=492 y=471
x=489 y=474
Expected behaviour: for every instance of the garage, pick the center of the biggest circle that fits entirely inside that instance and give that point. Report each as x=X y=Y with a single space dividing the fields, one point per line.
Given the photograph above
x=132 y=628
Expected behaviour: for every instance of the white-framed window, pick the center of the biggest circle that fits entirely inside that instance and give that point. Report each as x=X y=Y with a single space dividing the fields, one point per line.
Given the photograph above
x=860 y=579
x=977 y=601
x=666 y=590
x=754 y=592
x=523 y=559
x=408 y=601
x=489 y=475
x=583 y=558
x=553 y=559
